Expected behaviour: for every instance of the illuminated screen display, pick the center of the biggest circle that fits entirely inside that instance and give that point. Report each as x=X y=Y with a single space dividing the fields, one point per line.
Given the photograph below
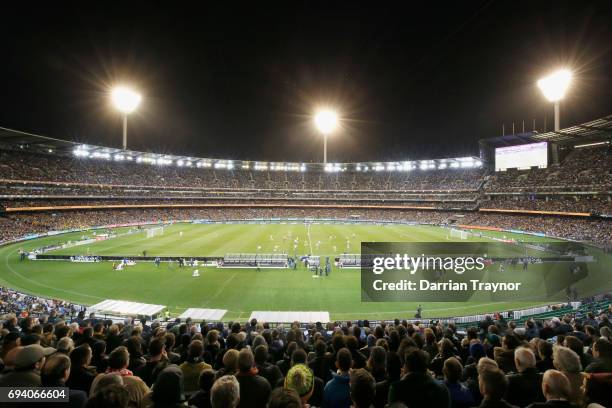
x=521 y=156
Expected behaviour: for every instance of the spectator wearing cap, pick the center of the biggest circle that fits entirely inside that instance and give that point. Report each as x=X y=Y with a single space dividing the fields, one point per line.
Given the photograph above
x=193 y=367
x=417 y=388
x=460 y=395
x=337 y=392
x=201 y=399
x=55 y=372
x=301 y=380
x=363 y=388
x=525 y=386
x=168 y=390
x=29 y=360
x=492 y=384
x=225 y=392
x=556 y=388
x=254 y=389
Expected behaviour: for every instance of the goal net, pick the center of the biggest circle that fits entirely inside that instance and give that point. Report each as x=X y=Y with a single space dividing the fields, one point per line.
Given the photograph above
x=153 y=232
x=457 y=233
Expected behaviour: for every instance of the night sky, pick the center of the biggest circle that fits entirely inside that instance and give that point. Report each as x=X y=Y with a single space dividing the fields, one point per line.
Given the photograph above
x=242 y=80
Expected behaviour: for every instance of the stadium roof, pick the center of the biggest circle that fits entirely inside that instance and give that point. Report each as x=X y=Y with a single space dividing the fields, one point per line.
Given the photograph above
x=593 y=131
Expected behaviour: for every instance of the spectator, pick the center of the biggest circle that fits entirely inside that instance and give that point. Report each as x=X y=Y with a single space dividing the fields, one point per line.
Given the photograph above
x=267 y=370
x=545 y=352
x=254 y=389
x=55 y=372
x=524 y=387
x=493 y=384
x=157 y=356
x=556 y=388
x=168 y=390
x=225 y=392
x=111 y=396
x=201 y=399
x=193 y=367
x=81 y=374
x=284 y=398
x=29 y=360
x=568 y=362
x=118 y=362
x=596 y=388
x=301 y=380
x=363 y=388
x=416 y=388
x=460 y=395
x=602 y=357
x=337 y=392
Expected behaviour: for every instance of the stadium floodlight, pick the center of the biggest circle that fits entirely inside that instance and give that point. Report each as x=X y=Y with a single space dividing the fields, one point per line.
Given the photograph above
x=554 y=87
x=126 y=101
x=326 y=121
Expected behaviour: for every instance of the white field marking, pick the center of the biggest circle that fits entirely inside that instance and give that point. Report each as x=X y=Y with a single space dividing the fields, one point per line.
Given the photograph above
x=47 y=286
x=309 y=239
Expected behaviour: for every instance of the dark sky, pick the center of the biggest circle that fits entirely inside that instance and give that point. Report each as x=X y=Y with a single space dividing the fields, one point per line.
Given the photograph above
x=242 y=80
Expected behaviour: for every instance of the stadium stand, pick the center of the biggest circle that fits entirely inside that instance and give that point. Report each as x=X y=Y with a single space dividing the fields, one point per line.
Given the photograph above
x=519 y=357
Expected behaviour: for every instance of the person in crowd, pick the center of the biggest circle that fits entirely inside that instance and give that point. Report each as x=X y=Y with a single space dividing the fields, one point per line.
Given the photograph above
x=225 y=392
x=55 y=373
x=29 y=360
x=602 y=357
x=492 y=384
x=284 y=398
x=337 y=392
x=111 y=396
x=417 y=388
x=269 y=371
x=157 y=357
x=81 y=374
x=201 y=399
x=545 y=352
x=568 y=362
x=193 y=367
x=525 y=386
x=363 y=388
x=377 y=363
x=301 y=380
x=168 y=390
x=460 y=395
x=556 y=389
x=118 y=362
x=254 y=389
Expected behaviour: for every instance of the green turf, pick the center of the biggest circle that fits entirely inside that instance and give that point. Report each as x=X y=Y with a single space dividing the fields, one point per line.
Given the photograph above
x=240 y=291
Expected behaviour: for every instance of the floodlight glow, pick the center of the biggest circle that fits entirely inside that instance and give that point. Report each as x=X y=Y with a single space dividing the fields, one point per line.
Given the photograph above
x=326 y=121
x=125 y=99
x=555 y=85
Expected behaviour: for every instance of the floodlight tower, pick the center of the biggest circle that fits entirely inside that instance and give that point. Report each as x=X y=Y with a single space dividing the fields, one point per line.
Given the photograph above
x=554 y=86
x=126 y=101
x=326 y=121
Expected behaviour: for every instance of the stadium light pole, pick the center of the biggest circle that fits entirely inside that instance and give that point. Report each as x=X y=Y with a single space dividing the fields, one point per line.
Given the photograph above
x=326 y=121
x=126 y=101
x=554 y=86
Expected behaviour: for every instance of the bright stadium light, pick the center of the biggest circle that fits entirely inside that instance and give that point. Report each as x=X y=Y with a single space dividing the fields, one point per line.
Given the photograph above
x=126 y=101
x=554 y=87
x=326 y=121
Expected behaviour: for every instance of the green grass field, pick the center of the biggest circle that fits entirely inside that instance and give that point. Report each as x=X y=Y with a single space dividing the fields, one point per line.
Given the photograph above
x=240 y=291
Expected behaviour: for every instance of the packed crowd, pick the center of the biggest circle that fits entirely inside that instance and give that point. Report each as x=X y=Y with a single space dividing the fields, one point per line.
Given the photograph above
x=601 y=204
x=584 y=169
x=19 y=165
x=563 y=362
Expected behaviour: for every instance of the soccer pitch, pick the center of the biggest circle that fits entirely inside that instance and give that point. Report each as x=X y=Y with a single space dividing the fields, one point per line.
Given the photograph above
x=240 y=291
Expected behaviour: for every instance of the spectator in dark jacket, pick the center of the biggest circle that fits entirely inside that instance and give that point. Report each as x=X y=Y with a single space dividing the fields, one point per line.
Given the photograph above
x=460 y=395
x=556 y=388
x=493 y=384
x=525 y=387
x=201 y=399
x=417 y=388
x=269 y=371
x=254 y=389
x=81 y=374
